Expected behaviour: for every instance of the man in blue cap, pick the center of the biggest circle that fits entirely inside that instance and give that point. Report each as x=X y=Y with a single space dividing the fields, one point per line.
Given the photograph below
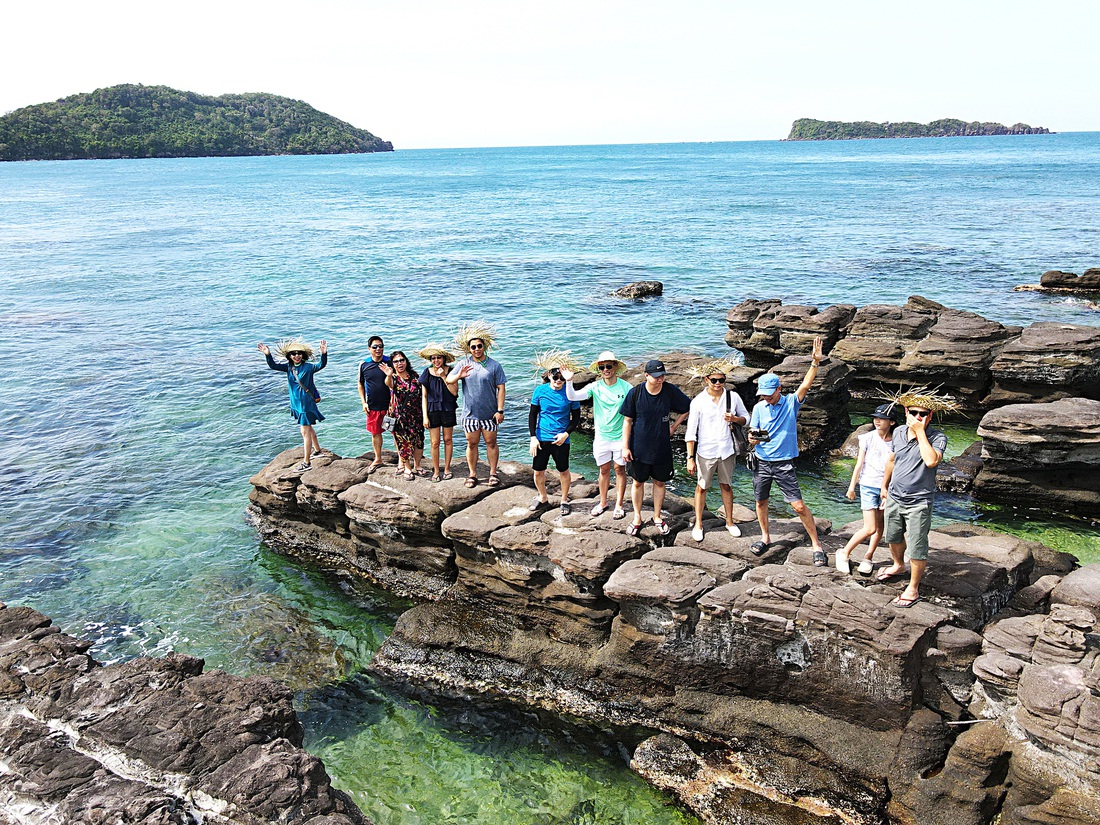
x=777 y=415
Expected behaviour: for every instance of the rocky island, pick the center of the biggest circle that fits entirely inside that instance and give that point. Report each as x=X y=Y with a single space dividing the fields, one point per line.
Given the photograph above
x=807 y=128
x=135 y=121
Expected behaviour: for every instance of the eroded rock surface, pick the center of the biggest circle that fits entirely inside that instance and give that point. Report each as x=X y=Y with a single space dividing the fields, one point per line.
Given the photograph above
x=148 y=742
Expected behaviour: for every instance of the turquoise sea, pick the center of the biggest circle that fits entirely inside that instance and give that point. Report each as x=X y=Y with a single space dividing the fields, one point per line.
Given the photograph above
x=133 y=293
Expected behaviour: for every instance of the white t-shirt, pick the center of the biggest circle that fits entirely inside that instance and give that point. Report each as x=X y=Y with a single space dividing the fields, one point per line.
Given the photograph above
x=707 y=424
x=875 y=453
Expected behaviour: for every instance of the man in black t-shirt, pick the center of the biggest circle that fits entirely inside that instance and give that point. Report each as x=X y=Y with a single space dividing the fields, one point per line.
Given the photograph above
x=647 y=439
x=374 y=394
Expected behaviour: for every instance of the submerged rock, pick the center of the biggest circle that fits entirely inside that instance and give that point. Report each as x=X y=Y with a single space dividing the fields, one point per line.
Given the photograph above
x=150 y=741
x=639 y=289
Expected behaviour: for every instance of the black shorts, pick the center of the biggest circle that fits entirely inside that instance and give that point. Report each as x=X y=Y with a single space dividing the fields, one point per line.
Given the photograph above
x=441 y=418
x=548 y=449
x=641 y=472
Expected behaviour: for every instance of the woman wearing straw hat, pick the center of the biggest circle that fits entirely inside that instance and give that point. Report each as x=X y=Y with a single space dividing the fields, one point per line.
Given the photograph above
x=607 y=396
x=440 y=406
x=303 y=393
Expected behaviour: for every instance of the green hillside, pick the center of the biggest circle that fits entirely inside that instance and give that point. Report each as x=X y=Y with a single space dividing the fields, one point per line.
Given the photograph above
x=134 y=121
x=810 y=129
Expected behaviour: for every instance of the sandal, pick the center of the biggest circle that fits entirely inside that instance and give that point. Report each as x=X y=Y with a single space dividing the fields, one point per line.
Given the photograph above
x=618 y=513
x=435 y=478
x=447 y=476
x=493 y=481
x=536 y=504
x=820 y=559
x=408 y=475
x=373 y=467
x=471 y=481
x=423 y=472
x=758 y=548
x=599 y=510
x=633 y=529
x=884 y=576
x=661 y=525
x=566 y=508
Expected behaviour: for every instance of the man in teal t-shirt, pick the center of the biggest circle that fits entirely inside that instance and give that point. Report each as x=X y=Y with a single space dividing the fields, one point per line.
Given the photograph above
x=607 y=396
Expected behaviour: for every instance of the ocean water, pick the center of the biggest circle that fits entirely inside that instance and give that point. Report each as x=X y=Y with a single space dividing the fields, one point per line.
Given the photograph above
x=133 y=293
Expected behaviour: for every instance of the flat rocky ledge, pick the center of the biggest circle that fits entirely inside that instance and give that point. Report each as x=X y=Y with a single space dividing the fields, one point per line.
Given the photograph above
x=148 y=742
x=793 y=692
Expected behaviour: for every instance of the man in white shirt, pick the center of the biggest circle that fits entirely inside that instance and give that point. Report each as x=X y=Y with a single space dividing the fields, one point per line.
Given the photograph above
x=710 y=445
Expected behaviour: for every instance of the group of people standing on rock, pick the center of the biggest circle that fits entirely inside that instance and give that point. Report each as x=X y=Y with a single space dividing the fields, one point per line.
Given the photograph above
x=895 y=470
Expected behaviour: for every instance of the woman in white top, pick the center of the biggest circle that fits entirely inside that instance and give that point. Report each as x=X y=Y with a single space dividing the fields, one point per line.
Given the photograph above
x=875 y=448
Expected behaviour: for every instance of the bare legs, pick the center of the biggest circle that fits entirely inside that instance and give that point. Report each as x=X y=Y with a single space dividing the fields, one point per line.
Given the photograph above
x=448 y=448
x=637 y=494
x=605 y=484
x=492 y=451
x=800 y=509
x=871 y=529
x=309 y=442
x=540 y=485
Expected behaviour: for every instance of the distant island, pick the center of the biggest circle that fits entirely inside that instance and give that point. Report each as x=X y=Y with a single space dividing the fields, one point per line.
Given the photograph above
x=135 y=121
x=807 y=128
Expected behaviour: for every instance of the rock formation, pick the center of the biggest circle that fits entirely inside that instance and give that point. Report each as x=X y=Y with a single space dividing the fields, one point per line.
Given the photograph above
x=148 y=742
x=1047 y=455
x=981 y=362
x=639 y=289
x=1067 y=283
x=781 y=691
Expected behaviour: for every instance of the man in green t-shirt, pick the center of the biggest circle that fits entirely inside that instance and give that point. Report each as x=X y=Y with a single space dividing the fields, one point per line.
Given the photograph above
x=607 y=396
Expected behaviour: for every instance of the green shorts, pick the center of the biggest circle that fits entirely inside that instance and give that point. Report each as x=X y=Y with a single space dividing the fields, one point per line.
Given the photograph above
x=909 y=523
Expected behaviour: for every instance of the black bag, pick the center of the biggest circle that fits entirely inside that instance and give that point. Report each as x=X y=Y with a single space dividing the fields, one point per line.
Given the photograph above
x=737 y=431
x=752 y=461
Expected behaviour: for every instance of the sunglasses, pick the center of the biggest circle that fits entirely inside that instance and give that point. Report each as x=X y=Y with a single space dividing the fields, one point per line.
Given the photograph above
x=376 y=346
x=721 y=380
x=919 y=413
x=477 y=346
x=607 y=367
x=299 y=354
x=400 y=361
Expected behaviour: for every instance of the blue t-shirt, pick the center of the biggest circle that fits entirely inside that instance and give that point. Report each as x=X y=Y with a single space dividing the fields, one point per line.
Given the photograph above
x=781 y=420
x=554 y=411
x=374 y=380
x=479 y=388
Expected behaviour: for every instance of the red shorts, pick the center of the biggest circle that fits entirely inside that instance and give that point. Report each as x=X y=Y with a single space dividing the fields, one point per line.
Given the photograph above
x=374 y=421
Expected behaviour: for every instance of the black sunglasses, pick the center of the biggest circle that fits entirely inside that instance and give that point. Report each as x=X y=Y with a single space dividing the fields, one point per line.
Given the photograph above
x=607 y=366
x=717 y=380
x=919 y=413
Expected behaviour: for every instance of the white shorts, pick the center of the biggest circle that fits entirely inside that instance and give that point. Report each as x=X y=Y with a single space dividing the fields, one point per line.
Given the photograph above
x=604 y=451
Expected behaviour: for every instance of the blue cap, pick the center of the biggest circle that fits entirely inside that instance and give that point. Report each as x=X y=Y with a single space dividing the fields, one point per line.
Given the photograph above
x=767 y=383
x=884 y=411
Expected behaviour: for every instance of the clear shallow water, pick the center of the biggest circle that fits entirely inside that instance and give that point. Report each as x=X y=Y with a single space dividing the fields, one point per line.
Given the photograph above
x=132 y=294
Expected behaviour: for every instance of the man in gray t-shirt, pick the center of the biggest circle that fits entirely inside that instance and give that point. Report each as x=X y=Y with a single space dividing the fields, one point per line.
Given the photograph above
x=908 y=488
x=483 y=382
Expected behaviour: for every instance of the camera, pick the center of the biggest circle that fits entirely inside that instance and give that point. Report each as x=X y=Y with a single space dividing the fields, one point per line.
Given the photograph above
x=759 y=434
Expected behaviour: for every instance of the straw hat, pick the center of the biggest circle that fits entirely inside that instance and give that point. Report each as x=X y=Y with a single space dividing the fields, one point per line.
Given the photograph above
x=927 y=398
x=436 y=349
x=719 y=365
x=284 y=348
x=472 y=330
x=552 y=359
x=605 y=356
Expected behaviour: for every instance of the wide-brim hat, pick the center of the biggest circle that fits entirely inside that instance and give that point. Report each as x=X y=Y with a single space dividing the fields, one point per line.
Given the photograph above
x=437 y=349
x=928 y=398
x=475 y=329
x=604 y=357
x=285 y=347
x=555 y=359
x=721 y=366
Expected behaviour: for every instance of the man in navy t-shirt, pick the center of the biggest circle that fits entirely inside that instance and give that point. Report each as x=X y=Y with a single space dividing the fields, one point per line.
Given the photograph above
x=647 y=439
x=374 y=394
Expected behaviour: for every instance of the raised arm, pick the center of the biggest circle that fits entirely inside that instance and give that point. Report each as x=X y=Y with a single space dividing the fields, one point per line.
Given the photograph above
x=811 y=373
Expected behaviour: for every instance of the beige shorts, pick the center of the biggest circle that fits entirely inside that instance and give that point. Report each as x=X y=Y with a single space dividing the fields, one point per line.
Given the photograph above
x=708 y=468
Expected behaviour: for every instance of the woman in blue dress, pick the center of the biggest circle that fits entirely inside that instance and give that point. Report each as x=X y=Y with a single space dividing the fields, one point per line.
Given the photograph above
x=303 y=392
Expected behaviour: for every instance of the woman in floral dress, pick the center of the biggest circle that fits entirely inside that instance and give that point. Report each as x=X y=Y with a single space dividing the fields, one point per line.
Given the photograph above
x=408 y=426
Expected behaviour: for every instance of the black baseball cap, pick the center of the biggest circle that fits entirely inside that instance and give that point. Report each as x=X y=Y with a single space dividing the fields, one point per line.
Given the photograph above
x=655 y=368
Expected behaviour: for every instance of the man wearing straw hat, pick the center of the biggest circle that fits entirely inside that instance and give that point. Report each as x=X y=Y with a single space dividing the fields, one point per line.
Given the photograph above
x=710 y=447
x=909 y=488
x=607 y=396
x=483 y=387
x=777 y=415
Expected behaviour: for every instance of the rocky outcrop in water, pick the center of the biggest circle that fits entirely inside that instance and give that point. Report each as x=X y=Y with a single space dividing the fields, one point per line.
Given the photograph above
x=148 y=742
x=981 y=362
x=1067 y=283
x=1047 y=455
x=638 y=290
x=783 y=691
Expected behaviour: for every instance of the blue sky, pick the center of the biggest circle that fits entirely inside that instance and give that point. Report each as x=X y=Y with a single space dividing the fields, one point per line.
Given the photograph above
x=427 y=73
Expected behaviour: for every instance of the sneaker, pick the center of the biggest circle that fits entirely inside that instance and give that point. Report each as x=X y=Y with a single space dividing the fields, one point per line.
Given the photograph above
x=301 y=468
x=842 y=564
x=733 y=530
x=315 y=453
x=697 y=533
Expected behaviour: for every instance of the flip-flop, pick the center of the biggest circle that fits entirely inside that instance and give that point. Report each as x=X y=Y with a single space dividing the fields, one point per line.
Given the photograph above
x=373 y=468
x=661 y=525
x=906 y=603
x=633 y=529
x=447 y=476
x=435 y=479
x=889 y=577
x=759 y=548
